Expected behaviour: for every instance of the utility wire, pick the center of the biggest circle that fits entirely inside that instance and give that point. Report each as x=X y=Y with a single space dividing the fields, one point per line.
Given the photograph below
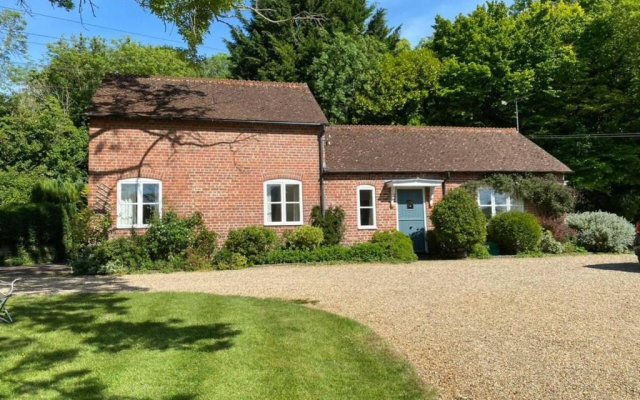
x=622 y=135
x=31 y=13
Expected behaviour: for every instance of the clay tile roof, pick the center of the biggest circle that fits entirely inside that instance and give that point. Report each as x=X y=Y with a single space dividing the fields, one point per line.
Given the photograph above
x=206 y=99
x=434 y=149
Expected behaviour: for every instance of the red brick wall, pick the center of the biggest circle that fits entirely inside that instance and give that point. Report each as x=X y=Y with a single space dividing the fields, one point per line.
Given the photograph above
x=340 y=189
x=217 y=169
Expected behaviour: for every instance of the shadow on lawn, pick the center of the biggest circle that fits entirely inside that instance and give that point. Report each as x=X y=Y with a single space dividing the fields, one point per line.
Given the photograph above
x=624 y=267
x=99 y=322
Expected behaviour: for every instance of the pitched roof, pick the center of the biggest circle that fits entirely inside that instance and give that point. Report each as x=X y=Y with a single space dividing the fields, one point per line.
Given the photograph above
x=353 y=148
x=206 y=99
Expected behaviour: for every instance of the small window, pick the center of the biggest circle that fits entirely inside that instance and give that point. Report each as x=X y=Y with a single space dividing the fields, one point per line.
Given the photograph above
x=366 y=207
x=139 y=200
x=283 y=202
x=492 y=203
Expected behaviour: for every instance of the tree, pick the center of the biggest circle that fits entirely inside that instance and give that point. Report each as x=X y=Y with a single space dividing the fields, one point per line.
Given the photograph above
x=77 y=67
x=399 y=92
x=344 y=67
x=193 y=18
x=38 y=140
x=218 y=66
x=262 y=50
x=13 y=43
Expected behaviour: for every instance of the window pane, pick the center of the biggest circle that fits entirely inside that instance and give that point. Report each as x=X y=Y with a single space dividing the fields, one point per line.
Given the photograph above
x=501 y=209
x=366 y=217
x=293 y=212
x=128 y=214
x=366 y=198
x=485 y=197
x=486 y=211
x=501 y=198
x=274 y=194
x=150 y=193
x=293 y=193
x=148 y=211
x=517 y=205
x=276 y=213
x=129 y=192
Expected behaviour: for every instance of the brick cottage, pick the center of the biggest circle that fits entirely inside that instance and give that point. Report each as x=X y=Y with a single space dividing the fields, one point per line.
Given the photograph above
x=262 y=153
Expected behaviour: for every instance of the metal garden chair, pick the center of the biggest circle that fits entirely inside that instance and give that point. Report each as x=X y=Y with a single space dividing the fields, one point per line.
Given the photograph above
x=4 y=297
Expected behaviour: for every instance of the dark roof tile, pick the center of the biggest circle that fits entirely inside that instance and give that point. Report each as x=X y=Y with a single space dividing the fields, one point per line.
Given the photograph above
x=206 y=99
x=352 y=148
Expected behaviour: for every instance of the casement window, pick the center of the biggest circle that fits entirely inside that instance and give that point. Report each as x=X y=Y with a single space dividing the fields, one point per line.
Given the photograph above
x=492 y=203
x=366 y=207
x=139 y=199
x=283 y=202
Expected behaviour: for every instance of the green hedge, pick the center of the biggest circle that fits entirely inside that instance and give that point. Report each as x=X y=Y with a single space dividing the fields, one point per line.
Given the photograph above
x=390 y=246
x=459 y=224
x=515 y=232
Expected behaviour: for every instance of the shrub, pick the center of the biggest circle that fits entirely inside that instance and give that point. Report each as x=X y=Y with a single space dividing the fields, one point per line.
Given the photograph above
x=331 y=222
x=459 y=223
x=602 y=231
x=227 y=260
x=128 y=252
x=515 y=232
x=549 y=245
x=87 y=228
x=252 y=242
x=572 y=248
x=304 y=238
x=479 y=251
x=319 y=255
x=397 y=245
x=558 y=227
x=550 y=197
x=170 y=236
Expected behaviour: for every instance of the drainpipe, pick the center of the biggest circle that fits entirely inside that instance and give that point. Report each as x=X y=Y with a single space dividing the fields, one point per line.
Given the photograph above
x=444 y=184
x=321 y=142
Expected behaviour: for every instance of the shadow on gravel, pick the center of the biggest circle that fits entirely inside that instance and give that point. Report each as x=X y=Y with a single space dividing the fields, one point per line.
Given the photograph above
x=623 y=267
x=58 y=279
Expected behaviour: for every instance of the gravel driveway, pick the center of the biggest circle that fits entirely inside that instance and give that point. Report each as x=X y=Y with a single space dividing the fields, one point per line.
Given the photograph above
x=550 y=328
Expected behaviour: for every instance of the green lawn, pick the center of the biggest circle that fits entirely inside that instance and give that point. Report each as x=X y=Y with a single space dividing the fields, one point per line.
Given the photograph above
x=192 y=346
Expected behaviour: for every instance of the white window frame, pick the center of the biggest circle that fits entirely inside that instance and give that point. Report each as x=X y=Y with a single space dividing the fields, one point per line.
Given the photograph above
x=509 y=204
x=140 y=205
x=283 y=202
x=372 y=207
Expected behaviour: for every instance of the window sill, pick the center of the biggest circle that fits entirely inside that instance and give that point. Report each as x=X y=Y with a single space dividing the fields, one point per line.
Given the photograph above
x=122 y=228
x=367 y=228
x=276 y=224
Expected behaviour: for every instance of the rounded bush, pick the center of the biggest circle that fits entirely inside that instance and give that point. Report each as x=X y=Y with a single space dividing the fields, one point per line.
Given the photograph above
x=459 y=224
x=170 y=235
x=479 y=251
x=252 y=242
x=304 y=238
x=602 y=231
x=515 y=232
x=397 y=245
x=331 y=221
x=549 y=245
x=227 y=260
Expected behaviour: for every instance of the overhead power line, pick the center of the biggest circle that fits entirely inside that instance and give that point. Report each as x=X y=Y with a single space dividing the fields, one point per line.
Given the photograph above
x=31 y=13
x=621 y=135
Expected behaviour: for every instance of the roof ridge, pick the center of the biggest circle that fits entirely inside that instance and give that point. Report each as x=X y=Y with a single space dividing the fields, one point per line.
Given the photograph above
x=241 y=82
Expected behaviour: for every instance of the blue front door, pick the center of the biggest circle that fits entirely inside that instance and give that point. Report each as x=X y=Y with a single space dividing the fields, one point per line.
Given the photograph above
x=411 y=219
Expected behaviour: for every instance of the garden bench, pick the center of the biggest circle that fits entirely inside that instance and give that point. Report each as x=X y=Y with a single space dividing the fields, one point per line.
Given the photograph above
x=4 y=297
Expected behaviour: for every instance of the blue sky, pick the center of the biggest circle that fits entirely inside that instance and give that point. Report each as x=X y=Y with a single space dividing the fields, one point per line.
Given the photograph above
x=415 y=16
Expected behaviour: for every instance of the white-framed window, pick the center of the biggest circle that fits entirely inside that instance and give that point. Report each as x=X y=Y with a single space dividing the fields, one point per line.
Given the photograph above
x=283 y=202
x=366 y=207
x=139 y=199
x=492 y=203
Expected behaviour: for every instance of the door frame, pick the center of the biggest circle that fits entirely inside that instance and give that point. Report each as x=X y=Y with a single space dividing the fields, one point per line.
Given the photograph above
x=424 y=207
